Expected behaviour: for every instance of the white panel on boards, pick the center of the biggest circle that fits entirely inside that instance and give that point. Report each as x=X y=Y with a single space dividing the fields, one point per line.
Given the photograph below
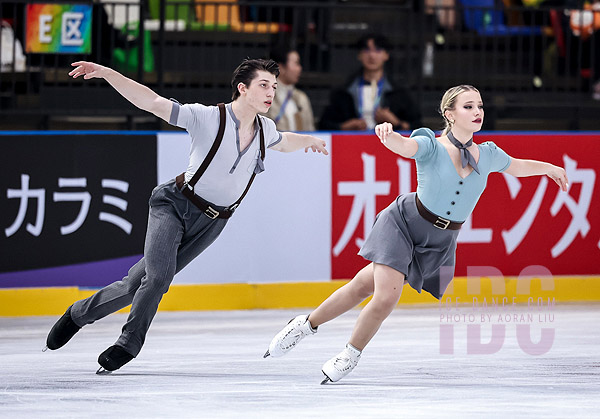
x=282 y=230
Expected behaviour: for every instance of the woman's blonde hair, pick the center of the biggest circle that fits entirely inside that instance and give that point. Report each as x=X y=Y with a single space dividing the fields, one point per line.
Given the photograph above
x=449 y=102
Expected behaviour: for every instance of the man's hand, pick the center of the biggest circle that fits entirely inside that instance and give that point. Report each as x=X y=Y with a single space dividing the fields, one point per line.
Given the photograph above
x=291 y=141
x=88 y=70
x=316 y=145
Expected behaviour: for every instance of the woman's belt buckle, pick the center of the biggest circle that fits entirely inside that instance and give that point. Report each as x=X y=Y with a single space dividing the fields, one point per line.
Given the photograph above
x=441 y=223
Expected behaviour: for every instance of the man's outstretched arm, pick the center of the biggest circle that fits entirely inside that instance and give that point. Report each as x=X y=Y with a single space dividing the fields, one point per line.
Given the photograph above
x=291 y=141
x=138 y=94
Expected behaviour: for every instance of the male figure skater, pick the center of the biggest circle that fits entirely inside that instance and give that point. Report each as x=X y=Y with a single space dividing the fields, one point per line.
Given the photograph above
x=188 y=213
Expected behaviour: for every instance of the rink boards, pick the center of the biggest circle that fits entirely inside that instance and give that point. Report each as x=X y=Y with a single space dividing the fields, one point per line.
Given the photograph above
x=295 y=238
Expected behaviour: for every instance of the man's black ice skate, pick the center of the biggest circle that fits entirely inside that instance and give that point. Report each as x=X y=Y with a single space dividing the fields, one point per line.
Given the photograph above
x=112 y=359
x=62 y=331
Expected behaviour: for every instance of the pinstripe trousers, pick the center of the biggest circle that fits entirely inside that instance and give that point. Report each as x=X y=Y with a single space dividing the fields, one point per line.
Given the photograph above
x=177 y=232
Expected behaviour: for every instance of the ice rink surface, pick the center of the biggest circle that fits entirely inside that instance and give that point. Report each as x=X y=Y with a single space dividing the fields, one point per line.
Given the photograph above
x=210 y=365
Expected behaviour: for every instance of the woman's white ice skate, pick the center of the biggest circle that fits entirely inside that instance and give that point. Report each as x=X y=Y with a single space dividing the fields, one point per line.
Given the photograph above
x=341 y=365
x=289 y=337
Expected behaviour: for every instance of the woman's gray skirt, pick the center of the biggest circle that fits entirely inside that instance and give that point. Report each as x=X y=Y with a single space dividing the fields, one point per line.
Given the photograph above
x=405 y=241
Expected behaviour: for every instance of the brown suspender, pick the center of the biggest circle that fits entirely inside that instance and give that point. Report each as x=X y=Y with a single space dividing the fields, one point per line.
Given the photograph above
x=187 y=188
x=213 y=150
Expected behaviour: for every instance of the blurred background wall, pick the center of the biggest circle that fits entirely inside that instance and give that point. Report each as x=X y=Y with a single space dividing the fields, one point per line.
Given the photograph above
x=535 y=61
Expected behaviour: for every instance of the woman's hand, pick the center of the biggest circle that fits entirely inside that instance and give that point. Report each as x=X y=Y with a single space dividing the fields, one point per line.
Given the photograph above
x=383 y=131
x=559 y=175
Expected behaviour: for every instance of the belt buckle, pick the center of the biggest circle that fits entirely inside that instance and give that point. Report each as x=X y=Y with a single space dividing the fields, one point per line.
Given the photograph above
x=211 y=213
x=441 y=223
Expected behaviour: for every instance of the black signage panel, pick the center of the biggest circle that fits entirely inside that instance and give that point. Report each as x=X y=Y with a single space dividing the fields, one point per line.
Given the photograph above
x=73 y=199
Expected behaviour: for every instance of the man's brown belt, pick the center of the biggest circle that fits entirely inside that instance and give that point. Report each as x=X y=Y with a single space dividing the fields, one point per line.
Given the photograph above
x=210 y=210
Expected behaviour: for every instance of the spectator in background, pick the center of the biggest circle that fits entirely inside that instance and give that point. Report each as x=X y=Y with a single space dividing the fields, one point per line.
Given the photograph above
x=576 y=36
x=444 y=11
x=584 y=24
x=291 y=109
x=370 y=97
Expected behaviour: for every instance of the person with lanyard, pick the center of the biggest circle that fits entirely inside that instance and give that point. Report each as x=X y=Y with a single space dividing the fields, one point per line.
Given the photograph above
x=370 y=97
x=413 y=240
x=188 y=213
x=291 y=109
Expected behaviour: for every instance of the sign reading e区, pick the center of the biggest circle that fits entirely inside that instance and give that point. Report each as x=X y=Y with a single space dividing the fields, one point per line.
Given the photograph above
x=59 y=28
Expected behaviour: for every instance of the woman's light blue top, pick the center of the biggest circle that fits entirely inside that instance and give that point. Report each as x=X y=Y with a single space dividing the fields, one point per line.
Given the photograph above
x=439 y=186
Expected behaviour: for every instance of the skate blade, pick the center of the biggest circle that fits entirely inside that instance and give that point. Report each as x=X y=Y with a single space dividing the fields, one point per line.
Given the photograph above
x=266 y=354
x=102 y=371
x=326 y=380
x=45 y=348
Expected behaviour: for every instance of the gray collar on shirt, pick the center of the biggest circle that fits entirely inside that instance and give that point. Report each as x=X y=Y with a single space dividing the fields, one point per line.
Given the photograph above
x=237 y=121
x=237 y=136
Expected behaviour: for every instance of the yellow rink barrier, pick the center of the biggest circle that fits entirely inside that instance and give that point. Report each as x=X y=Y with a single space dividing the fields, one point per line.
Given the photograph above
x=463 y=291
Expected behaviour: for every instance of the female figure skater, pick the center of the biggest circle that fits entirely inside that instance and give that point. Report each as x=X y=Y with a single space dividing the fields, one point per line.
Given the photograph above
x=414 y=239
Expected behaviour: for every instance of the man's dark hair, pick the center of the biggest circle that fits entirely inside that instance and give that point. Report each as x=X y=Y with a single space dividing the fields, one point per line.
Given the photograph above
x=246 y=72
x=280 y=54
x=380 y=41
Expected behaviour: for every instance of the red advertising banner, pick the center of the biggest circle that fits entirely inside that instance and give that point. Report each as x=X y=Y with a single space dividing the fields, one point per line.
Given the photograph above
x=518 y=222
